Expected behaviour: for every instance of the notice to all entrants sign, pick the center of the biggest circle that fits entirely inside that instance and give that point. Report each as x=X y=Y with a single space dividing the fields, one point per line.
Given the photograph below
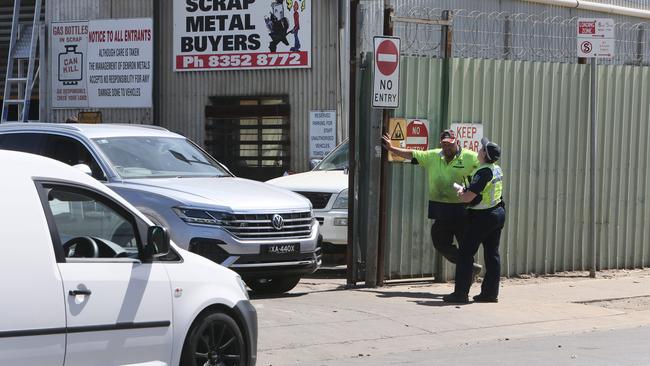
x=385 y=92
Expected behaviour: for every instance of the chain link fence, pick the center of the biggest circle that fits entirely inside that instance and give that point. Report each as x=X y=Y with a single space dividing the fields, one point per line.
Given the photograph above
x=541 y=36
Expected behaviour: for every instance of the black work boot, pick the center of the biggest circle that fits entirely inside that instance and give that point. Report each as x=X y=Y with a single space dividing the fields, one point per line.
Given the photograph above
x=455 y=298
x=485 y=298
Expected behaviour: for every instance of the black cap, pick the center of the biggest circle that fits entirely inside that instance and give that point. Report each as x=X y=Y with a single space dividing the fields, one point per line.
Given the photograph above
x=492 y=150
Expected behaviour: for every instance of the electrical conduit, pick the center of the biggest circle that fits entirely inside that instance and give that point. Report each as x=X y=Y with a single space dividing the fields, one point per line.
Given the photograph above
x=598 y=7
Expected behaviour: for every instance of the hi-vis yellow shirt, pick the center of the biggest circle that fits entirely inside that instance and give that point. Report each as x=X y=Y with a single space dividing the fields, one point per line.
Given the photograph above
x=443 y=175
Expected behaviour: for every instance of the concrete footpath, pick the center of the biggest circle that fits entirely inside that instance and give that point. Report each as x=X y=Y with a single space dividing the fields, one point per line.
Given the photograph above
x=321 y=323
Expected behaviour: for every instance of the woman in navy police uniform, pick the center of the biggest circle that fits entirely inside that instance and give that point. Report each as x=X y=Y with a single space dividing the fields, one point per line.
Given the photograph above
x=487 y=216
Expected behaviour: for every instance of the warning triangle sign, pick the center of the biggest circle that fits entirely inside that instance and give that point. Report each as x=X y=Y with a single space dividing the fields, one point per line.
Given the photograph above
x=397 y=133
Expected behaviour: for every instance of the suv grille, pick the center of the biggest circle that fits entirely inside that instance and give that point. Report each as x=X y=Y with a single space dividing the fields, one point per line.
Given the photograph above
x=318 y=200
x=261 y=226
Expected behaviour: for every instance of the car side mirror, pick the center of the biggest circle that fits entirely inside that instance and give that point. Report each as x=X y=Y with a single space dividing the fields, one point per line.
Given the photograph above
x=84 y=169
x=314 y=162
x=157 y=242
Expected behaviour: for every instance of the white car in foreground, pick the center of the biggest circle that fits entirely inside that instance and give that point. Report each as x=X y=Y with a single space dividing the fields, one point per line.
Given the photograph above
x=326 y=186
x=89 y=280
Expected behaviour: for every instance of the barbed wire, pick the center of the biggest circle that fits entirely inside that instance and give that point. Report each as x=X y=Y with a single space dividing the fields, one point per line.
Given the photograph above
x=515 y=36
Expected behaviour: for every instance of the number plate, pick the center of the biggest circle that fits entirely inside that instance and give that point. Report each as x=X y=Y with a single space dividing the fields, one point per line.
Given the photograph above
x=280 y=249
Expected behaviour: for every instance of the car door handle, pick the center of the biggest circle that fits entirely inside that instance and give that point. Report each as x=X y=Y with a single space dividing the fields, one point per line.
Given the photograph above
x=79 y=292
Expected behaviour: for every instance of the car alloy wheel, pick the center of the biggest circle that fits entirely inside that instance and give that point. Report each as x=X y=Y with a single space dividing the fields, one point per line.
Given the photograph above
x=215 y=341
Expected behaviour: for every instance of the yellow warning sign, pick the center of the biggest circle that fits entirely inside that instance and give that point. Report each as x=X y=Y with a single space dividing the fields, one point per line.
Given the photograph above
x=396 y=128
x=397 y=133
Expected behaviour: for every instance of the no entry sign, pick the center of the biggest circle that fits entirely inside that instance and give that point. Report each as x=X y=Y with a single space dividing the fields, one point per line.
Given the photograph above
x=417 y=135
x=385 y=93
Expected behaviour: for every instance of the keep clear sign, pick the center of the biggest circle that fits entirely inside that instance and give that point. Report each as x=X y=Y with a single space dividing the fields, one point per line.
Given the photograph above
x=103 y=64
x=468 y=135
x=322 y=133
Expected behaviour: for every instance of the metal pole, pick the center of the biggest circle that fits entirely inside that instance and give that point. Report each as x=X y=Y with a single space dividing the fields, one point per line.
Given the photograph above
x=446 y=44
x=383 y=181
x=157 y=52
x=352 y=197
x=592 y=168
x=42 y=76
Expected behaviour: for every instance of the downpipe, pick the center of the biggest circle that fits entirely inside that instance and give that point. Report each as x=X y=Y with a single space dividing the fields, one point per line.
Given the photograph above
x=594 y=6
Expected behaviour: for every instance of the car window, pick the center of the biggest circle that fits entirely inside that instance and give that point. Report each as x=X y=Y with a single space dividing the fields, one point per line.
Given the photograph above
x=23 y=142
x=90 y=226
x=336 y=160
x=72 y=152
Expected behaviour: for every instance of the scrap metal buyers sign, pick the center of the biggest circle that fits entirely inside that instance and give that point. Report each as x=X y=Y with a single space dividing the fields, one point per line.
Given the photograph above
x=242 y=34
x=385 y=92
x=102 y=63
x=595 y=37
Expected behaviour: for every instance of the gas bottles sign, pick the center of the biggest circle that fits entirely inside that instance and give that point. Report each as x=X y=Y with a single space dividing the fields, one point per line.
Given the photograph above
x=69 y=43
x=242 y=34
x=102 y=63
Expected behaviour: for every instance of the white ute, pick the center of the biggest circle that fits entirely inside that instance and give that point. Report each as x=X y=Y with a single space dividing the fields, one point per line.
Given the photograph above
x=88 y=280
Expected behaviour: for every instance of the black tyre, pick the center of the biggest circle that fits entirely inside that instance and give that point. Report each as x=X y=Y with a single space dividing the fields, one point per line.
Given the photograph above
x=271 y=286
x=214 y=340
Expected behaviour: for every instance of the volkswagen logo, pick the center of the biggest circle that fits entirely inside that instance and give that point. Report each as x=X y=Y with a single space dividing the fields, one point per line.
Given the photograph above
x=278 y=222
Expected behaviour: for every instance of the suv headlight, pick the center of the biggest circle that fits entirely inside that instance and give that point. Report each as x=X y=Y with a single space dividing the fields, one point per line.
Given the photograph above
x=194 y=216
x=341 y=200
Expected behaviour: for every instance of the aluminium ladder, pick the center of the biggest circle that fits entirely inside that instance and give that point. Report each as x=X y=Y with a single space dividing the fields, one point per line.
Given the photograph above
x=22 y=48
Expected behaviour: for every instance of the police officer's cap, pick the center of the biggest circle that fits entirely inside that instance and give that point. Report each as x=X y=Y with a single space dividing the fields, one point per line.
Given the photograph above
x=492 y=150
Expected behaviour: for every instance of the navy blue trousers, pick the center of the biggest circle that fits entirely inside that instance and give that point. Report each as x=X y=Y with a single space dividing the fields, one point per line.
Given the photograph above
x=442 y=236
x=483 y=227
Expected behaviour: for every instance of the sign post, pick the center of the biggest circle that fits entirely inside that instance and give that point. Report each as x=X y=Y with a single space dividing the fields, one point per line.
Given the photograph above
x=385 y=91
x=595 y=39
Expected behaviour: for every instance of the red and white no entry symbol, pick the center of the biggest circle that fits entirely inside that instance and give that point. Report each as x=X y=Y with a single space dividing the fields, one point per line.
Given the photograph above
x=586 y=47
x=387 y=57
x=417 y=135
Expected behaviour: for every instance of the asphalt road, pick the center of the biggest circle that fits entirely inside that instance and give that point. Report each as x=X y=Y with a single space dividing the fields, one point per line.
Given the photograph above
x=630 y=347
x=562 y=319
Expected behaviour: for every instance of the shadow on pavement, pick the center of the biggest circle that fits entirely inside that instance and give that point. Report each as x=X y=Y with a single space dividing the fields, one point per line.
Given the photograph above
x=277 y=296
x=424 y=297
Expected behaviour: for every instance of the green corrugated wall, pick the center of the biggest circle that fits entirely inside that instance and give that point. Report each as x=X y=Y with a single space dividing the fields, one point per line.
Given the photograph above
x=539 y=114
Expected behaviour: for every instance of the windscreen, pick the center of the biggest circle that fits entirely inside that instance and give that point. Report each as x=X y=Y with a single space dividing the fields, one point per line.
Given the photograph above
x=158 y=157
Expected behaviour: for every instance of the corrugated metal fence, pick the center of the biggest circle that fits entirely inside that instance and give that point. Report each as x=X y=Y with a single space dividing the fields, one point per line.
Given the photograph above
x=538 y=112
